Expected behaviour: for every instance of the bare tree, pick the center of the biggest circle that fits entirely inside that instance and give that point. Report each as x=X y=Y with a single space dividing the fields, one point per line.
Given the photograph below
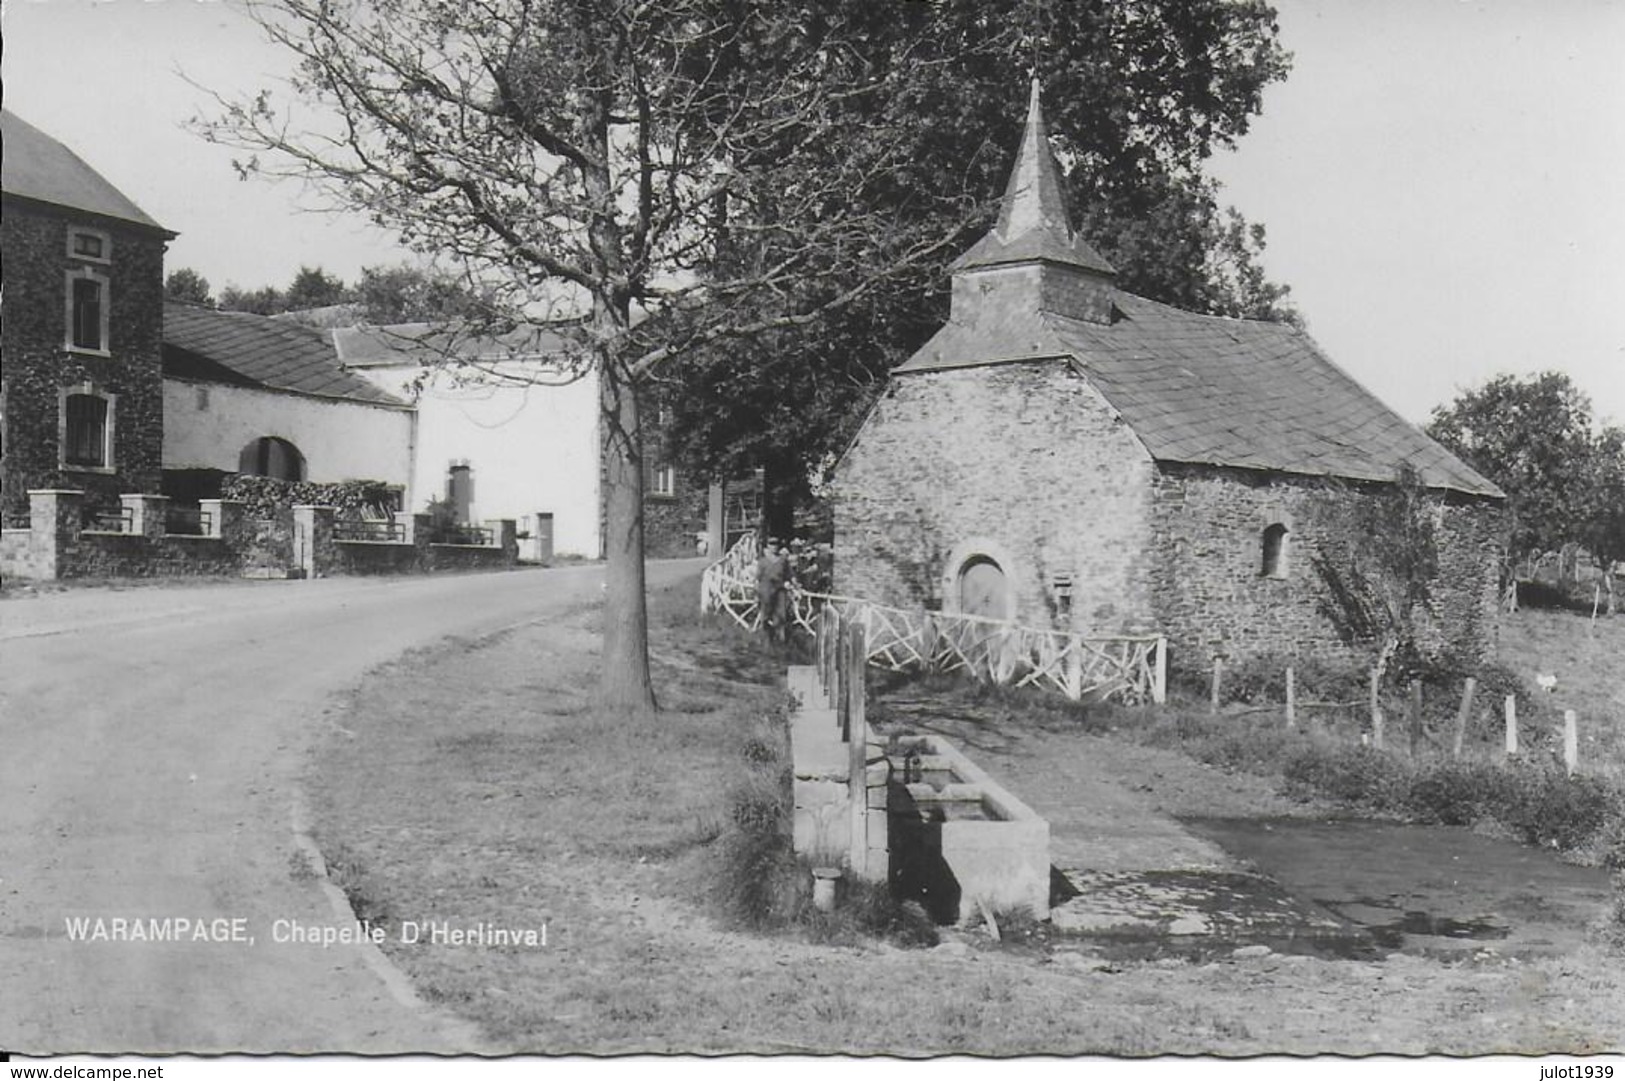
x=681 y=172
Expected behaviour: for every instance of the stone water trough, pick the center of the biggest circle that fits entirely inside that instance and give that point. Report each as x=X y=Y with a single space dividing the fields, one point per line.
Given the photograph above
x=959 y=840
x=909 y=810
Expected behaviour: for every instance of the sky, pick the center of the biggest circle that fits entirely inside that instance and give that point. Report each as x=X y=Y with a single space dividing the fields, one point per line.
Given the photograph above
x=1442 y=181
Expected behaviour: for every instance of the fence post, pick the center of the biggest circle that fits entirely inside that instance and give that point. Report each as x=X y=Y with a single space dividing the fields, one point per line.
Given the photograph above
x=1159 y=689
x=1414 y=709
x=1462 y=714
x=837 y=626
x=148 y=514
x=1376 y=710
x=1512 y=724
x=1291 y=698
x=1571 y=741
x=855 y=728
x=843 y=684
x=1218 y=676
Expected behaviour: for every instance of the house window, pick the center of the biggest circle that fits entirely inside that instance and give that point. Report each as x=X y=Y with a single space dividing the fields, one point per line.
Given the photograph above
x=89 y=245
x=86 y=432
x=87 y=312
x=663 y=481
x=1274 y=561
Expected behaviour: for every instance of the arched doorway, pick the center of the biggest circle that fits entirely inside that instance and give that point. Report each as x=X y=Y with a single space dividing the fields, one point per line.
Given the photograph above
x=984 y=588
x=269 y=456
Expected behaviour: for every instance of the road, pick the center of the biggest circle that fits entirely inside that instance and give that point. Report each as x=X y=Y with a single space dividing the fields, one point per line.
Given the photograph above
x=151 y=742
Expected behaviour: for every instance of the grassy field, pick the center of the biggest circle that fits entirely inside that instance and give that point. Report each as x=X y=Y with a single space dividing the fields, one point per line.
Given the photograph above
x=1588 y=660
x=473 y=783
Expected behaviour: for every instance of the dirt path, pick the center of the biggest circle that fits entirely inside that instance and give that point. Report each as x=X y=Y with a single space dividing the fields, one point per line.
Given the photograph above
x=151 y=743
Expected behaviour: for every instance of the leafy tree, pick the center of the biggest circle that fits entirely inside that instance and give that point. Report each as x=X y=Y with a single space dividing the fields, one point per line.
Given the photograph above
x=726 y=169
x=188 y=287
x=313 y=287
x=268 y=300
x=1533 y=437
x=408 y=294
x=1138 y=97
x=1603 y=530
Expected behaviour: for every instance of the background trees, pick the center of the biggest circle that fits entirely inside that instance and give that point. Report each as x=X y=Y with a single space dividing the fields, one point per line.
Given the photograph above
x=1138 y=96
x=1536 y=438
x=733 y=174
x=187 y=286
x=707 y=165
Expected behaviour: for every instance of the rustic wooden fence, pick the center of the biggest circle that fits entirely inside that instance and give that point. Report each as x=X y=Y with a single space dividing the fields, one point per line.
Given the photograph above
x=1129 y=668
x=1125 y=668
x=729 y=584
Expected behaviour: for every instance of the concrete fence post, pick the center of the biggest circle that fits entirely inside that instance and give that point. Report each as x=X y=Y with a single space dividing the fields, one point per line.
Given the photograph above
x=1463 y=714
x=225 y=518
x=505 y=535
x=1159 y=675
x=1291 y=698
x=1571 y=741
x=55 y=520
x=1511 y=708
x=147 y=514
x=315 y=551
x=1218 y=680
x=542 y=540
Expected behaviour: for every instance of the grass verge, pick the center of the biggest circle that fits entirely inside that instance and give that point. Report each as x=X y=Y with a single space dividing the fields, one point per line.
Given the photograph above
x=476 y=784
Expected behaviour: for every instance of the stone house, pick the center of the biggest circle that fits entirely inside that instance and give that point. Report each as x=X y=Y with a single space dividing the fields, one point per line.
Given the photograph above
x=1066 y=454
x=81 y=386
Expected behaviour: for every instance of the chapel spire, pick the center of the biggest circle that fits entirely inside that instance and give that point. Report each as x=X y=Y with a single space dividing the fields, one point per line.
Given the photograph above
x=1032 y=259
x=1033 y=220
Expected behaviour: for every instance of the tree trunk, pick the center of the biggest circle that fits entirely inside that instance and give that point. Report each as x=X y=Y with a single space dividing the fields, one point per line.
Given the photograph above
x=625 y=688
x=624 y=683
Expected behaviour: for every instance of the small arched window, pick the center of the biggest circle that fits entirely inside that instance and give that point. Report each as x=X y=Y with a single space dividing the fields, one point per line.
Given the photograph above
x=269 y=456
x=1274 y=555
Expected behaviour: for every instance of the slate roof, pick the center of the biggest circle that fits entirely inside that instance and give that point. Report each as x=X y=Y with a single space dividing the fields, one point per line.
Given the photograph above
x=243 y=349
x=1215 y=391
x=37 y=167
x=1194 y=388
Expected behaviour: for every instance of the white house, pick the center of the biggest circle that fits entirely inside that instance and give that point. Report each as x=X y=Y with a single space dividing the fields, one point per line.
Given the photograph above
x=244 y=393
x=501 y=434
x=505 y=432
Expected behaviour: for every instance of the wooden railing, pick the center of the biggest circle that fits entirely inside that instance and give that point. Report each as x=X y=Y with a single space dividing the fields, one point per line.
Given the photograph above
x=729 y=584
x=1129 y=668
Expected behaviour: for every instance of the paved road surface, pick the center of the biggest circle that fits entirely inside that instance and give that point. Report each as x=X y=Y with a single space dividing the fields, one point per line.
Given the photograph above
x=150 y=742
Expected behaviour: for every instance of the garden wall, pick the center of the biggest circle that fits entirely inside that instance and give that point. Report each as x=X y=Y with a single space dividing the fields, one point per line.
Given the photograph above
x=293 y=542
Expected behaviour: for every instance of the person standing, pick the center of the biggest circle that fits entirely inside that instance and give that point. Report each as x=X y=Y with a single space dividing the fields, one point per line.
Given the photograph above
x=772 y=596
